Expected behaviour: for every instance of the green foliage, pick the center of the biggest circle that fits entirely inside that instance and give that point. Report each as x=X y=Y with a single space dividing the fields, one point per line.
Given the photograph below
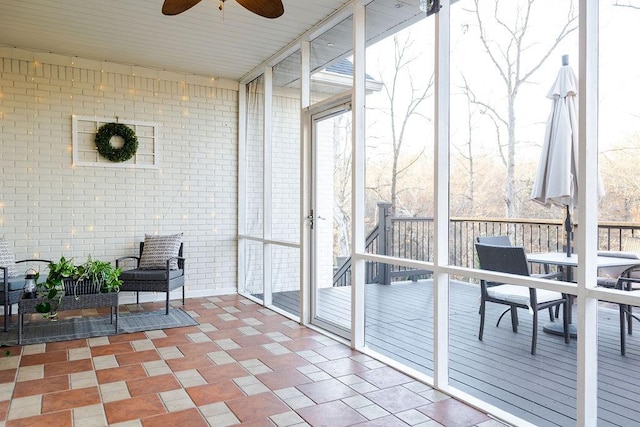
x=53 y=287
x=103 y=142
x=101 y=272
x=95 y=271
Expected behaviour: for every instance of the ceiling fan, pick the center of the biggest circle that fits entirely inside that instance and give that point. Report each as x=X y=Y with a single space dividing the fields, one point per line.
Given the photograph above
x=265 y=8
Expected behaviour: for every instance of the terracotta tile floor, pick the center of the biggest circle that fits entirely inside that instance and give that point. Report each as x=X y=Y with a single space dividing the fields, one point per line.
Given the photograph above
x=243 y=365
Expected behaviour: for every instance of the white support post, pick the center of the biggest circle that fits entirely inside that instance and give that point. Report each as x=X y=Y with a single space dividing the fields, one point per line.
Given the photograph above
x=587 y=238
x=305 y=183
x=305 y=70
x=242 y=184
x=441 y=219
x=358 y=179
x=267 y=186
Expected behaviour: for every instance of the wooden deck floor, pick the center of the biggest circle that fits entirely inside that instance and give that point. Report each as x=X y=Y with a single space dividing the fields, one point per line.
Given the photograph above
x=500 y=369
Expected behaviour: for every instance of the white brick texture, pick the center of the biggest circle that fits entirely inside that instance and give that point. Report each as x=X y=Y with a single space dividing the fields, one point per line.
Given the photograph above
x=49 y=208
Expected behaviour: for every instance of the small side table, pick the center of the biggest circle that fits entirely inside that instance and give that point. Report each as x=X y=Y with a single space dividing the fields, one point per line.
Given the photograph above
x=70 y=302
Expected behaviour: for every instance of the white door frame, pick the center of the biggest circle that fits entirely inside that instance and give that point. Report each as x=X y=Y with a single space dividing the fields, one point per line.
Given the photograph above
x=310 y=116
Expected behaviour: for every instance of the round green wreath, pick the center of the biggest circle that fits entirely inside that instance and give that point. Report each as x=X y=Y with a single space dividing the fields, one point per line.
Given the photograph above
x=103 y=142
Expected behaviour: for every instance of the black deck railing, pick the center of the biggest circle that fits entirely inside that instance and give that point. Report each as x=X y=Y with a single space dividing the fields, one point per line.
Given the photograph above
x=413 y=238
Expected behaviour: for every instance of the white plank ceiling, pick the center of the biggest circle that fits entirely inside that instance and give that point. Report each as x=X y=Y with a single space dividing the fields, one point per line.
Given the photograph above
x=202 y=40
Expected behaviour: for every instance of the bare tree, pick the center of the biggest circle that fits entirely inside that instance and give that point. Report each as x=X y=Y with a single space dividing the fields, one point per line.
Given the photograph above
x=626 y=3
x=342 y=186
x=403 y=105
x=620 y=172
x=506 y=52
x=466 y=152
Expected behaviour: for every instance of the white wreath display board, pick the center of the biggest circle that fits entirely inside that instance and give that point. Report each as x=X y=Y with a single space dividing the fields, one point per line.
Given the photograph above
x=85 y=152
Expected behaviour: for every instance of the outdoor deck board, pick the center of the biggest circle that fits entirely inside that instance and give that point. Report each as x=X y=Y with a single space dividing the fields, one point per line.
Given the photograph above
x=499 y=369
x=477 y=368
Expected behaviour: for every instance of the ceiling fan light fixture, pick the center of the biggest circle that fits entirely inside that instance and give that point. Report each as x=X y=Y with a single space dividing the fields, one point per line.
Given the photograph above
x=429 y=6
x=175 y=7
x=265 y=8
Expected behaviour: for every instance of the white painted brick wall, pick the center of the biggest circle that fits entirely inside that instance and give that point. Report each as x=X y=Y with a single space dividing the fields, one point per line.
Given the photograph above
x=50 y=208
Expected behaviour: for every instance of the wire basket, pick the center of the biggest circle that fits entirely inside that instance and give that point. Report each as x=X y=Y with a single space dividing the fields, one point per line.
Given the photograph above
x=81 y=287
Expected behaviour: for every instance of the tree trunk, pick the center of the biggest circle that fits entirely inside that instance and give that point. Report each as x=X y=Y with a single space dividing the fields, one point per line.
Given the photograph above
x=511 y=168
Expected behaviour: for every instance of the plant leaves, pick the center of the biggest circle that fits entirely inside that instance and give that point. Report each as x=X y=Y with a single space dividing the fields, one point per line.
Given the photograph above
x=43 y=307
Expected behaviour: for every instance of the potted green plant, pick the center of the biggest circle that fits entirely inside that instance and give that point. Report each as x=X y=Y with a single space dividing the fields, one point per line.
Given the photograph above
x=65 y=278
x=101 y=273
x=53 y=288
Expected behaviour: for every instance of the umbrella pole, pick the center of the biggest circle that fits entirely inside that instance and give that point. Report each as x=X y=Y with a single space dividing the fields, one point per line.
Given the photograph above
x=568 y=226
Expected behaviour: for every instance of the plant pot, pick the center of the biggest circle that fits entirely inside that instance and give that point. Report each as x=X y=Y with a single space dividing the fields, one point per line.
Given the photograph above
x=80 y=287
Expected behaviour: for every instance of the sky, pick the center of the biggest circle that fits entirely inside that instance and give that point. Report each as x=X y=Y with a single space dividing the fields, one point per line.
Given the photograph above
x=619 y=82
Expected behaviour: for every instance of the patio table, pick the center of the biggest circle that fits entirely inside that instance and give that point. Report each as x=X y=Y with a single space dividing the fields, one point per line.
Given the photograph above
x=567 y=263
x=70 y=302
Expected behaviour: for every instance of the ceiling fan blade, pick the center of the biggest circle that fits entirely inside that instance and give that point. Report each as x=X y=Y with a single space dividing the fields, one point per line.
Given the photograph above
x=174 y=7
x=266 y=8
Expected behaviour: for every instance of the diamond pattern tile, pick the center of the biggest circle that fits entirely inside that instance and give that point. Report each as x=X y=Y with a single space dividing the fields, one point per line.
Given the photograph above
x=452 y=413
x=257 y=407
x=396 y=399
x=152 y=385
x=334 y=414
x=42 y=386
x=69 y=399
x=283 y=379
x=64 y=368
x=384 y=377
x=227 y=371
x=134 y=408
x=189 y=417
x=327 y=390
x=243 y=365
x=213 y=393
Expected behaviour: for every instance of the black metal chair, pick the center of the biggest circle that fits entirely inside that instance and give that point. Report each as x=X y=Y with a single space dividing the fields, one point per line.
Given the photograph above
x=513 y=260
x=494 y=240
x=12 y=288
x=165 y=280
x=623 y=278
x=501 y=240
x=628 y=280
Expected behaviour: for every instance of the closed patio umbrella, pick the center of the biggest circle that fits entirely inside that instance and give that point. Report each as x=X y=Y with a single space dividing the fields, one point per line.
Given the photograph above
x=556 y=182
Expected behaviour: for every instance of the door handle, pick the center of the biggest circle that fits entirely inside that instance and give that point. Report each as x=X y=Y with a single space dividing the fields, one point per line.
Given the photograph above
x=313 y=218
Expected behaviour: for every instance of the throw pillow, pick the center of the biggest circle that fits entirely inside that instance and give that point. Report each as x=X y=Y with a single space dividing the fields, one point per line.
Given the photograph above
x=8 y=258
x=158 y=249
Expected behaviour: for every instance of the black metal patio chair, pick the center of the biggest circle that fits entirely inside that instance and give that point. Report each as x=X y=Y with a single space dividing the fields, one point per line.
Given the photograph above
x=513 y=260
x=12 y=288
x=166 y=276
x=13 y=281
x=623 y=278
x=628 y=280
x=494 y=240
